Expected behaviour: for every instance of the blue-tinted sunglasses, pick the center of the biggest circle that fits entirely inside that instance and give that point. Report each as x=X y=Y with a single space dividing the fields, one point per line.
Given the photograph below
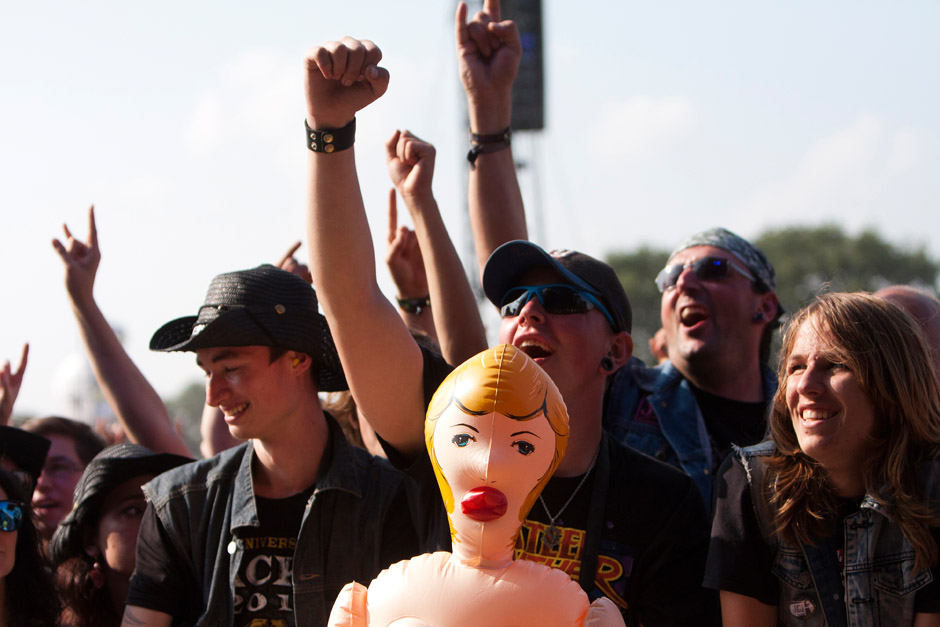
x=11 y=515
x=555 y=299
x=705 y=268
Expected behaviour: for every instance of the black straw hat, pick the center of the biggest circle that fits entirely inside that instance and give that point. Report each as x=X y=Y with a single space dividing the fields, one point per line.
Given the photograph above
x=263 y=306
x=106 y=471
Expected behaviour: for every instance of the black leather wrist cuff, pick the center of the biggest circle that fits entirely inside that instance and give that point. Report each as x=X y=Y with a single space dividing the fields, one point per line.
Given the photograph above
x=481 y=144
x=331 y=140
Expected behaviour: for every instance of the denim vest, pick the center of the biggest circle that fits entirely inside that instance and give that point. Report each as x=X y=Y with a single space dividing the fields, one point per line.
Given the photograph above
x=203 y=505
x=668 y=425
x=880 y=579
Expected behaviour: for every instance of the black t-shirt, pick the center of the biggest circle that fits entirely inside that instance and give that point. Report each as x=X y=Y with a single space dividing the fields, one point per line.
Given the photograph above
x=741 y=561
x=263 y=591
x=654 y=530
x=730 y=422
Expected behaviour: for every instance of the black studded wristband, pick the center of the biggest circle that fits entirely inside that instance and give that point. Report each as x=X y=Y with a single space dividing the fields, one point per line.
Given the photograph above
x=331 y=140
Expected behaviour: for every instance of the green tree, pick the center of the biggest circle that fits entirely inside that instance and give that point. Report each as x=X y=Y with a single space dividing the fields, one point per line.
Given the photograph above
x=637 y=271
x=813 y=259
x=807 y=260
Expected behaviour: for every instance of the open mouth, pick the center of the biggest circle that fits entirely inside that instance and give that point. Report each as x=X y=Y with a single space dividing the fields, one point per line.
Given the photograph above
x=534 y=349
x=483 y=504
x=691 y=315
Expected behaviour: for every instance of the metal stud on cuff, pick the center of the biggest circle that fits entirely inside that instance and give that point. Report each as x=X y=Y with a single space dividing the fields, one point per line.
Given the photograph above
x=331 y=140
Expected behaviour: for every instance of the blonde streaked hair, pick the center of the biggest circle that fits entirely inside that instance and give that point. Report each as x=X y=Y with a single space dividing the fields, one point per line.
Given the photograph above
x=886 y=351
x=506 y=381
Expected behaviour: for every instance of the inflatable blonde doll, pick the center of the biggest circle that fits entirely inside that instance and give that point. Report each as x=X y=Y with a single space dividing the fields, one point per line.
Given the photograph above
x=496 y=429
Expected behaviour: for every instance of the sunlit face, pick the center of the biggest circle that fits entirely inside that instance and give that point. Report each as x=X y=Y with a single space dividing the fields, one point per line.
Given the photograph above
x=248 y=388
x=52 y=498
x=492 y=464
x=7 y=546
x=703 y=319
x=569 y=347
x=832 y=416
x=121 y=512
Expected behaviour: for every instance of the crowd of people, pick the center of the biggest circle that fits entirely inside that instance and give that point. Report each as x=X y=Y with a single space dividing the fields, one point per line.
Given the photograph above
x=705 y=489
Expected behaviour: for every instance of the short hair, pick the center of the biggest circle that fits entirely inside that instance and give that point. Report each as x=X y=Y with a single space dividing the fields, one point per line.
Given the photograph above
x=506 y=381
x=87 y=442
x=886 y=351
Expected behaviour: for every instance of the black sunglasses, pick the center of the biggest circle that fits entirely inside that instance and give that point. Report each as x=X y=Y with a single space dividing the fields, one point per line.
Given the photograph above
x=705 y=268
x=11 y=515
x=555 y=298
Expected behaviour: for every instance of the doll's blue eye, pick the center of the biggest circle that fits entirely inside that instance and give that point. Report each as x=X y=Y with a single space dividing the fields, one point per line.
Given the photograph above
x=524 y=448
x=463 y=439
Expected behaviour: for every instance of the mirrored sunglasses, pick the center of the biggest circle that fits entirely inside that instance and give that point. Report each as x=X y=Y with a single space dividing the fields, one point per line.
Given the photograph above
x=11 y=515
x=705 y=268
x=555 y=299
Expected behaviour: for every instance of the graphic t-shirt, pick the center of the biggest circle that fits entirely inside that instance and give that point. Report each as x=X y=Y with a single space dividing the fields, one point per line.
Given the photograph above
x=263 y=593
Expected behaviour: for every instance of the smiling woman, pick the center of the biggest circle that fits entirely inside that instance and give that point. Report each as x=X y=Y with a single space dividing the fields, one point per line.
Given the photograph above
x=832 y=522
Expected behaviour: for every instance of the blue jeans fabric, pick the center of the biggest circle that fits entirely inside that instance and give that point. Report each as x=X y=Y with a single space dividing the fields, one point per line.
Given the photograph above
x=654 y=410
x=880 y=578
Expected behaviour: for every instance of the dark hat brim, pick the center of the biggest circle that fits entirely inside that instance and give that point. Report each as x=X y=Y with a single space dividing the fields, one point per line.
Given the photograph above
x=508 y=263
x=109 y=469
x=239 y=327
x=27 y=450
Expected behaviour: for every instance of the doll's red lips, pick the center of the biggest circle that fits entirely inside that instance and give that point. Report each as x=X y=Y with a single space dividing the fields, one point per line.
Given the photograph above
x=483 y=504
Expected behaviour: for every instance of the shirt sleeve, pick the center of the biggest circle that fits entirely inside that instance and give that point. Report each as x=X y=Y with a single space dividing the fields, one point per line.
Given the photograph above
x=158 y=582
x=739 y=560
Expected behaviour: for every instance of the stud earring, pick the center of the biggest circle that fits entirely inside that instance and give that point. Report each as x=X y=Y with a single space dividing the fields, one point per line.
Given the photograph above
x=296 y=361
x=607 y=364
x=757 y=317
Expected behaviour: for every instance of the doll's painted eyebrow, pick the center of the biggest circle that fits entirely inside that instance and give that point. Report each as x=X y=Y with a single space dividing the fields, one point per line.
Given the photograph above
x=463 y=424
x=512 y=435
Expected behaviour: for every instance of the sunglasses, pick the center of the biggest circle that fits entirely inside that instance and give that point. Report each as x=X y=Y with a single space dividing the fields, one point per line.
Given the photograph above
x=11 y=515
x=555 y=299
x=705 y=268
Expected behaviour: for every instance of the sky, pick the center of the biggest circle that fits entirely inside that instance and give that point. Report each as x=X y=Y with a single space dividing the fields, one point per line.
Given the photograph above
x=181 y=122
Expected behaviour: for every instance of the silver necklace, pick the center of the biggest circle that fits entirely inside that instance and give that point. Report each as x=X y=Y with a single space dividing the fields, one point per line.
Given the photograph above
x=552 y=536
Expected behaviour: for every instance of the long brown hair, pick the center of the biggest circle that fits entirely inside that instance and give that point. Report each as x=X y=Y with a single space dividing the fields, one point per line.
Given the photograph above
x=886 y=351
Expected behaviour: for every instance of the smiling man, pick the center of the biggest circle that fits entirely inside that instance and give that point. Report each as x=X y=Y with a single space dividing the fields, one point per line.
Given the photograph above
x=267 y=532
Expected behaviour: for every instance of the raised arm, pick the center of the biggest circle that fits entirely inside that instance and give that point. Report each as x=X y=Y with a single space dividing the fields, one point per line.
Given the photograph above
x=488 y=54
x=383 y=365
x=456 y=317
x=133 y=400
x=10 y=382
x=406 y=265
